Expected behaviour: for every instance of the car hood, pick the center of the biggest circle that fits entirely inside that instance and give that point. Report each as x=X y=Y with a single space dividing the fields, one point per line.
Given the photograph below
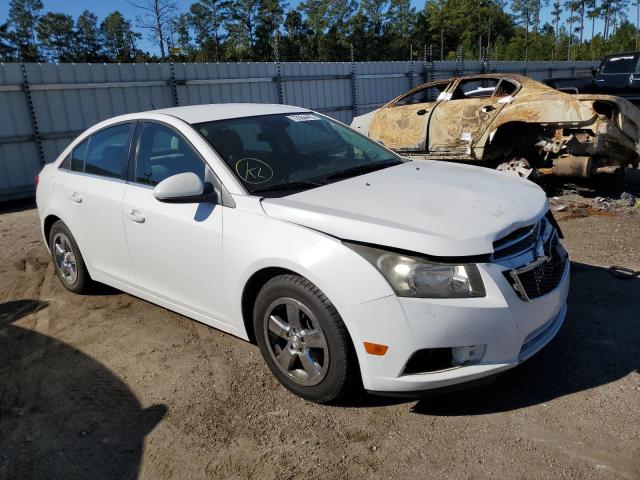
x=435 y=208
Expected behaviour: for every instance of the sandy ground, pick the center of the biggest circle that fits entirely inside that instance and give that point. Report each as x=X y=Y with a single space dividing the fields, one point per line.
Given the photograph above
x=110 y=386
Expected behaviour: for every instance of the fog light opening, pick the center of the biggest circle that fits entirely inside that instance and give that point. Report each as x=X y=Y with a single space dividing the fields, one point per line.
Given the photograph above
x=467 y=355
x=428 y=360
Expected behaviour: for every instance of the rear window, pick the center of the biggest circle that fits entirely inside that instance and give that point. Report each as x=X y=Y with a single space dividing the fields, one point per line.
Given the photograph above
x=621 y=64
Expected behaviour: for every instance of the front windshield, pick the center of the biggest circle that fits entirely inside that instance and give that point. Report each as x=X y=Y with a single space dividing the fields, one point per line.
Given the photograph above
x=272 y=154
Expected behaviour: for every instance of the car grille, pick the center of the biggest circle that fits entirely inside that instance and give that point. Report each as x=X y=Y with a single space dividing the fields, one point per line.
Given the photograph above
x=517 y=242
x=541 y=276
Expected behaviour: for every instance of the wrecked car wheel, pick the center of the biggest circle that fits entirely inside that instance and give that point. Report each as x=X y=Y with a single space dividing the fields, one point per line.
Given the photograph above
x=517 y=166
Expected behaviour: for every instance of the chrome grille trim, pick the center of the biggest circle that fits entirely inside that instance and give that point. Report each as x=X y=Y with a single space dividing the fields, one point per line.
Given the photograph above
x=523 y=243
x=544 y=274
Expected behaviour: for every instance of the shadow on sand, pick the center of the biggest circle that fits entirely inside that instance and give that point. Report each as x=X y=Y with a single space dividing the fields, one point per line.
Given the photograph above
x=63 y=414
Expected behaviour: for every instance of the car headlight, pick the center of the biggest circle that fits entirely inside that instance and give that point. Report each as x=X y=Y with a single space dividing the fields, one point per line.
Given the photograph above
x=413 y=276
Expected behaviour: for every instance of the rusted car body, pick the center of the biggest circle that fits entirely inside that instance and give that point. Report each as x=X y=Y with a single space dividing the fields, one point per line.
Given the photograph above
x=510 y=122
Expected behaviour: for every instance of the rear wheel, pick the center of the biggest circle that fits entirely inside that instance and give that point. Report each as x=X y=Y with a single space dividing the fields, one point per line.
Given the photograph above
x=67 y=259
x=517 y=166
x=303 y=339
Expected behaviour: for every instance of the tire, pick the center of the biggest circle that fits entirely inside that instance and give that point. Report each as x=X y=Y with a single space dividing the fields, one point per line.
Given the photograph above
x=67 y=259
x=303 y=340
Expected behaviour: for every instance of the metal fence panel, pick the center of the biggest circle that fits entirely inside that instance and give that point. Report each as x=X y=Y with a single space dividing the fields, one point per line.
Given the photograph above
x=68 y=98
x=19 y=162
x=321 y=86
x=204 y=83
x=379 y=82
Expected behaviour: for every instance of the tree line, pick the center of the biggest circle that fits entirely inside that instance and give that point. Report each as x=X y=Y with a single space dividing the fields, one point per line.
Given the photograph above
x=324 y=30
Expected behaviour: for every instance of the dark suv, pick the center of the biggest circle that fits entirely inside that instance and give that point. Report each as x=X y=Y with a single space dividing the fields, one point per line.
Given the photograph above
x=617 y=75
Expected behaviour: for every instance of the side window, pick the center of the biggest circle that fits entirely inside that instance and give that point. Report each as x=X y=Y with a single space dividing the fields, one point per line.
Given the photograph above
x=66 y=163
x=108 y=151
x=475 y=88
x=427 y=94
x=505 y=87
x=162 y=152
x=75 y=160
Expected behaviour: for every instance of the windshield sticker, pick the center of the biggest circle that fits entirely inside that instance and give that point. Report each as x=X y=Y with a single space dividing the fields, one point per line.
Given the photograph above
x=253 y=171
x=302 y=117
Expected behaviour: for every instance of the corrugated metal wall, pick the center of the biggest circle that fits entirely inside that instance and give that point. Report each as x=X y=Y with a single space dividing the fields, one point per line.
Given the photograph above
x=44 y=106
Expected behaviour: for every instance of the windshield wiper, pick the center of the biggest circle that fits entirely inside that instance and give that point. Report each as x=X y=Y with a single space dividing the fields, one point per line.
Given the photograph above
x=294 y=185
x=360 y=169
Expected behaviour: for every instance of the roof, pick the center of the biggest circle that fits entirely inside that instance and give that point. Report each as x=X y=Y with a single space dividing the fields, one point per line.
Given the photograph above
x=222 y=111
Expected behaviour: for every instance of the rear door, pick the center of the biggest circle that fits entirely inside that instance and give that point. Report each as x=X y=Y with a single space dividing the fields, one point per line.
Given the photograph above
x=93 y=190
x=402 y=124
x=459 y=121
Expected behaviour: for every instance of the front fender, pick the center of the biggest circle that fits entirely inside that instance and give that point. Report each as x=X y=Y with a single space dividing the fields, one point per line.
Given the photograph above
x=345 y=277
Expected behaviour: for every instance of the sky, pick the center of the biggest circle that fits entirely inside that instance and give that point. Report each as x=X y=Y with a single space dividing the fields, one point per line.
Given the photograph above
x=104 y=7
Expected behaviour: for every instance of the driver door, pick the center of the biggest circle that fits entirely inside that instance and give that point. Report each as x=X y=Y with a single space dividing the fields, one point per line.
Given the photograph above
x=402 y=124
x=176 y=248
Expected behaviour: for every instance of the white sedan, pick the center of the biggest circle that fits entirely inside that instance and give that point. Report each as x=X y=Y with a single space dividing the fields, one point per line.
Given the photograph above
x=344 y=262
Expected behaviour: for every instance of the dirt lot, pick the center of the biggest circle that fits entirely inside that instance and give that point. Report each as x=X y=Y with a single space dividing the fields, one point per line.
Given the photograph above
x=109 y=386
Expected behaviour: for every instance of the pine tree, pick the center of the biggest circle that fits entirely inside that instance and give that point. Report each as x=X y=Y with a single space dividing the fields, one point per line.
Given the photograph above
x=23 y=19
x=56 y=36
x=88 y=42
x=119 y=38
x=241 y=25
x=400 y=25
x=207 y=17
x=270 y=15
x=7 y=49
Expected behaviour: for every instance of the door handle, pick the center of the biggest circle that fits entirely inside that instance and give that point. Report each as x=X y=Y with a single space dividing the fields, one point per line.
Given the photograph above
x=75 y=197
x=488 y=108
x=422 y=111
x=136 y=216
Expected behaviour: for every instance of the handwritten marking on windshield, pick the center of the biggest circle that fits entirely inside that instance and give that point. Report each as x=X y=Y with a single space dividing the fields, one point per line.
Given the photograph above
x=253 y=171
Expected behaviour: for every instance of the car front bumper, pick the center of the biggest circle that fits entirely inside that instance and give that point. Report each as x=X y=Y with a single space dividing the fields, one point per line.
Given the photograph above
x=508 y=329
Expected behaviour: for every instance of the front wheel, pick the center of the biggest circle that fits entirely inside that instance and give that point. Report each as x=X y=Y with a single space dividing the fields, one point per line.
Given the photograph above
x=303 y=339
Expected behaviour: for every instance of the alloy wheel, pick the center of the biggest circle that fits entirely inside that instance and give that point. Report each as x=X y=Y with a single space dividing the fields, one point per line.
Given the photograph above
x=65 y=259
x=296 y=341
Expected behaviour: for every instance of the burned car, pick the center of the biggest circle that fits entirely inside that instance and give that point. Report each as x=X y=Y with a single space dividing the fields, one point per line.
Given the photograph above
x=509 y=122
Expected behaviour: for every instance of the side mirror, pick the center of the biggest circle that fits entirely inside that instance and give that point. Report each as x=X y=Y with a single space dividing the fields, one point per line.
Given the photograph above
x=184 y=188
x=594 y=71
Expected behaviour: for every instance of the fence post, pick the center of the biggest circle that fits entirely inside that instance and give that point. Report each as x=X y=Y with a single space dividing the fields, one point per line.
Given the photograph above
x=459 y=61
x=354 y=85
x=173 y=86
x=279 y=71
x=32 y=113
x=432 y=65
x=425 y=73
x=411 y=67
